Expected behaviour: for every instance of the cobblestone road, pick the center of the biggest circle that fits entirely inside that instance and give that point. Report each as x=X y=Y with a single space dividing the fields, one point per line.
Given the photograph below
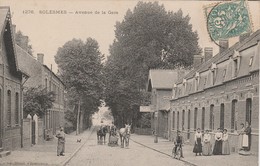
x=92 y=154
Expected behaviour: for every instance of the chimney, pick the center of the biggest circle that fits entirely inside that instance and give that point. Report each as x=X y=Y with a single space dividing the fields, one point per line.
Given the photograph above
x=40 y=57
x=243 y=37
x=197 y=60
x=223 y=45
x=208 y=53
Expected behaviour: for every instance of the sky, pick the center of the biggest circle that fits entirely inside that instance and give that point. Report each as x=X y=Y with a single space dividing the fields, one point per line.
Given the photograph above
x=48 y=32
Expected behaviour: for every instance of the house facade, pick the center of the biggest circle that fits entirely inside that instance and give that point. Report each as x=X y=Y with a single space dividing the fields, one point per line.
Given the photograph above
x=222 y=92
x=160 y=87
x=11 y=83
x=44 y=77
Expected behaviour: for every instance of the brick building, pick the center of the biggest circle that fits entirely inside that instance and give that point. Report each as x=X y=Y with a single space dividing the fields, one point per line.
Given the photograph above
x=11 y=80
x=222 y=92
x=41 y=75
x=160 y=86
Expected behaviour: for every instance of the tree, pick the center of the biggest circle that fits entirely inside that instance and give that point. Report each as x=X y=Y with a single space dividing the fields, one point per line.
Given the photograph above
x=80 y=69
x=37 y=101
x=148 y=37
x=22 y=41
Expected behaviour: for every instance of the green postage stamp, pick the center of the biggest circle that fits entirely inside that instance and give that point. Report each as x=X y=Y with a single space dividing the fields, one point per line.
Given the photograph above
x=227 y=19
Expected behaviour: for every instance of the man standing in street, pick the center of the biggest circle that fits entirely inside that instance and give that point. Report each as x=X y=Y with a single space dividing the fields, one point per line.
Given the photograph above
x=61 y=142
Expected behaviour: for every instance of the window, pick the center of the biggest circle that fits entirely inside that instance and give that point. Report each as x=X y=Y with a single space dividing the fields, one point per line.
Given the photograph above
x=251 y=61
x=8 y=118
x=173 y=120
x=178 y=120
x=183 y=119
x=195 y=118
x=205 y=81
x=235 y=67
x=188 y=125
x=222 y=115
x=16 y=108
x=213 y=72
x=248 y=110
x=224 y=74
x=211 y=117
x=203 y=119
x=233 y=116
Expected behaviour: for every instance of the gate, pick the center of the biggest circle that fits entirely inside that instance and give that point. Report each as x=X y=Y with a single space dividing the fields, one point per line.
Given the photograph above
x=33 y=132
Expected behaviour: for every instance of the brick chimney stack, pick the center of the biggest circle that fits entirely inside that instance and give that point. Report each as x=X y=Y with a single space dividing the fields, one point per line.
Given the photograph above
x=208 y=53
x=223 y=45
x=40 y=57
x=197 y=60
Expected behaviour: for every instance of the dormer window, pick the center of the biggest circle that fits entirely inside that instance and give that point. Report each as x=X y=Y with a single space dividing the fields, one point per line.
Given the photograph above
x=235 y=67
x=224 y=73
x=184 y=83
x=205 y=81
x=251 y=61
x=213 y=70
x=197 y=76
x=236 y=61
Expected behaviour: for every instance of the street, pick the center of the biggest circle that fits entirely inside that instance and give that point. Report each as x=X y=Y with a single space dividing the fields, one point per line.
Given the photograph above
x=92 y=154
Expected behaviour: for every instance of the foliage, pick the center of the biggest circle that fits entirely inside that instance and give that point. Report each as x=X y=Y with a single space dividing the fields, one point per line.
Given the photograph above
x=19 y=41
x=37 y=100
x=145 y=120
x=80 y=69
x=148 y=37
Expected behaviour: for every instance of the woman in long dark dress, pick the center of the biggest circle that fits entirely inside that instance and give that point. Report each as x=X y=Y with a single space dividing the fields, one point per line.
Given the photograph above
x=198 y=146
x=247 y=137
x=218 y=143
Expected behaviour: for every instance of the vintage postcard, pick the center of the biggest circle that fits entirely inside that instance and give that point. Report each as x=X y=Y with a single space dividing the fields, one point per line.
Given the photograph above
x=121 y=82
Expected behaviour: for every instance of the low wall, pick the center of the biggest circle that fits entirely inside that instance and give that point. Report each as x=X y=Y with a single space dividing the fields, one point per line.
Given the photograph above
x=40 y=131
x=27 y=128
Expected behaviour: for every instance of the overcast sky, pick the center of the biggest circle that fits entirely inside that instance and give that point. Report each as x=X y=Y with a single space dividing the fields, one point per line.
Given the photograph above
x=48 y=32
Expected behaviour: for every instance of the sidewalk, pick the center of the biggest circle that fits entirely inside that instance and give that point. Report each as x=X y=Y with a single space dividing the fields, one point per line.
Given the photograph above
x=46 y=153
x=165 y=146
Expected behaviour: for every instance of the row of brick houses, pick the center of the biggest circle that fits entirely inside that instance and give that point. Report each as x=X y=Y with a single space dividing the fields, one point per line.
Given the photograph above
x=19 y=70
x=220 y=92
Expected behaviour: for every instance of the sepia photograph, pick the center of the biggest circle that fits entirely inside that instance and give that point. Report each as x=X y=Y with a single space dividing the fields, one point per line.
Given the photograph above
x=129 y=82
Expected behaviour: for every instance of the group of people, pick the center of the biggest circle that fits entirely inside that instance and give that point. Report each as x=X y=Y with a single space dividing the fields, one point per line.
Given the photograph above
x=203 y=145
x=221 y=143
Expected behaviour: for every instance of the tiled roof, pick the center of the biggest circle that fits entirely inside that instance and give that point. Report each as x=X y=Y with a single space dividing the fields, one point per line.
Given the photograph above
x=28 y=63
x=6 y=23
x=162 y=79
x=251 y=40
x=3 y=13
